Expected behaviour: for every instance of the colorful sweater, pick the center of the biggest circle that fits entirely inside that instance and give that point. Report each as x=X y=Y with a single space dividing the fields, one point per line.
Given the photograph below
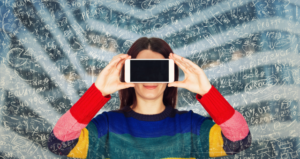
x=171 y=134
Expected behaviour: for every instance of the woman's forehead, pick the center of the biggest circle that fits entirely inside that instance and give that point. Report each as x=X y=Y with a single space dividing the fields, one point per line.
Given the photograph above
x=149 y=54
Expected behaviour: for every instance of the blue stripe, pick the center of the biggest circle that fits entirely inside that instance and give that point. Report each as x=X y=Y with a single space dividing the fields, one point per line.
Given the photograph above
x=120 y=124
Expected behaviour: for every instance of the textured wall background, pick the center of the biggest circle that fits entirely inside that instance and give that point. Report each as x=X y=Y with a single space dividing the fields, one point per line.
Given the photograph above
x=53 y=50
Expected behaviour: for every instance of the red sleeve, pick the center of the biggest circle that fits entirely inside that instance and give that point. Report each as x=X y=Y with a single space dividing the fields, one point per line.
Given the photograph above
x=89 y=104
x=216 y=105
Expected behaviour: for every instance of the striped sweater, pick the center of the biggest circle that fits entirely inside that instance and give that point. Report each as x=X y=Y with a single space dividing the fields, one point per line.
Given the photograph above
x=171 y=134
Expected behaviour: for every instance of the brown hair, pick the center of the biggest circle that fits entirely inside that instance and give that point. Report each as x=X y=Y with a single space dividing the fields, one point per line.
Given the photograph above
x=127 y=96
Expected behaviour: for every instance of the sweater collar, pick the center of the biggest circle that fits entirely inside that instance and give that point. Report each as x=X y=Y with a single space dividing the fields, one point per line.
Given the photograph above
x=146 y=117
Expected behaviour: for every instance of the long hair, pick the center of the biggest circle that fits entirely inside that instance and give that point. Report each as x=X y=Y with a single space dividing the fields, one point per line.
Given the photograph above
x=127 y=96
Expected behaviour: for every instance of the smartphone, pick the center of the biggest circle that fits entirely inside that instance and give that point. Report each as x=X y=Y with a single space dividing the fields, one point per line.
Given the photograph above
x=149 y=70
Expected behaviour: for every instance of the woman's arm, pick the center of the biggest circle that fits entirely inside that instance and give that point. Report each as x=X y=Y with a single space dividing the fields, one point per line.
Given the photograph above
x=70 y=135
x=229 y=133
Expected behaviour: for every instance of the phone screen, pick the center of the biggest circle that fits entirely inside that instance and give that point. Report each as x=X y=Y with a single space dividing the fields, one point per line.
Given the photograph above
x=149 y=70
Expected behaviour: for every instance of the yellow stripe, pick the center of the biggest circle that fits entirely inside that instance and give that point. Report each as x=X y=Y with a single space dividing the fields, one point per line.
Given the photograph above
x=216 y=142
x=81 y=148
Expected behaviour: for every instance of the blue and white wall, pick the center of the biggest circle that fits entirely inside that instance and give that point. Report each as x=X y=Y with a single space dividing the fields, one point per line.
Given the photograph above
x=52 y=51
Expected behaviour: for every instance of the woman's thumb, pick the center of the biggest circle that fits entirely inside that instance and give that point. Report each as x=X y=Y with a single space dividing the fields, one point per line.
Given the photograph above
x=171 y=84
x=131 y=85
x=127 y=85
x=175 y=84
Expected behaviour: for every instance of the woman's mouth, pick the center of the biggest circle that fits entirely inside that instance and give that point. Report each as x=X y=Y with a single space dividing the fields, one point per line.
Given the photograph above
x=150 y=87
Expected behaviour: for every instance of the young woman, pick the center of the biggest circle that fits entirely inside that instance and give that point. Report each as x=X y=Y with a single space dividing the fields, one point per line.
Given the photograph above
x=148 y=125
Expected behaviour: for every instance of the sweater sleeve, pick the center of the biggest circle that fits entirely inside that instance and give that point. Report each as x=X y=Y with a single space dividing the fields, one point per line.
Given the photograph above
x=228 y=133
x=72 y=132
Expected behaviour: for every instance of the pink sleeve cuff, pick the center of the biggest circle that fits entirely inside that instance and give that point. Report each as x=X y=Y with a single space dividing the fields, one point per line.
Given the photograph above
x=67 y=128
x=236 y=128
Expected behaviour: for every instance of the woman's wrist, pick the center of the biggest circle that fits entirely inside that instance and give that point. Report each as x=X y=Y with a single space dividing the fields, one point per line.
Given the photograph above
x=205 y=90
x=100 y=89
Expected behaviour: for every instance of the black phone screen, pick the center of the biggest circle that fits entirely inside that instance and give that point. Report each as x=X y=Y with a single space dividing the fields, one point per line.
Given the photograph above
x=149 y=70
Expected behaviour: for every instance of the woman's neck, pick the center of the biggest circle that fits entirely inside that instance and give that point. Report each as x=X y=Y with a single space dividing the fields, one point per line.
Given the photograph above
x=149 y=110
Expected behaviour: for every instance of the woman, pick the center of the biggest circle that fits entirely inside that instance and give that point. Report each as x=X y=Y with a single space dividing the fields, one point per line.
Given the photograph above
x=148 y=125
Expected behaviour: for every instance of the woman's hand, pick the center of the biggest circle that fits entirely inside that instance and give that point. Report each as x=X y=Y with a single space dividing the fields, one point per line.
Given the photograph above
x=195 y=79
x=108 y=81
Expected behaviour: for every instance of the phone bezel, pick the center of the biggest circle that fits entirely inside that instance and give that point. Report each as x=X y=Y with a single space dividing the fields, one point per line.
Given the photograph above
x=127 y=70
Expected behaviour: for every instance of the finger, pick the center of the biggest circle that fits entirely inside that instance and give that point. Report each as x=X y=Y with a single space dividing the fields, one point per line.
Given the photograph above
x=114 y=62
x=187 y=65
x=176 y=84
x=118 y=56
x=121 y=55
x=183 y=61
x=121 y=64
x=180 y=64
x=125 y=85
x=190 y=63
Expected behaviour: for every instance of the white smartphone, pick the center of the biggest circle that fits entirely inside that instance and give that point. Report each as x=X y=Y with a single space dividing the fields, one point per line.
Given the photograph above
x=149 y=70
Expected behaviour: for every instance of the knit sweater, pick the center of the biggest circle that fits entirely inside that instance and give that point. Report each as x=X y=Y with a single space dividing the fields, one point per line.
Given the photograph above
x=171 y=134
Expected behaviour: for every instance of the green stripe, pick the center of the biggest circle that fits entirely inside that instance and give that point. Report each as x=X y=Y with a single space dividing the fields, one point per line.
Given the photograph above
x=97 y=146
x=204 y=136
x=125 y=145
